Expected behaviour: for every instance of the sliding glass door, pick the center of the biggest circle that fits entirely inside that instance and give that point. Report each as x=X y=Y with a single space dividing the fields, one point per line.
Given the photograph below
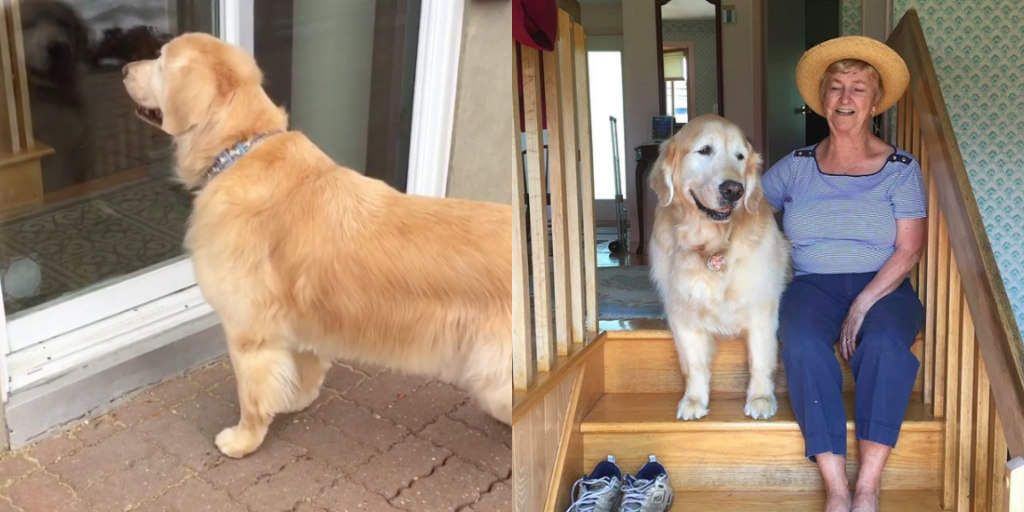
x=91 y=221
x=101 y=206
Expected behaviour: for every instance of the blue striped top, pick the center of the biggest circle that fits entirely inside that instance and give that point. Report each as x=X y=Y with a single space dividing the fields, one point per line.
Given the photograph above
x=843 y=224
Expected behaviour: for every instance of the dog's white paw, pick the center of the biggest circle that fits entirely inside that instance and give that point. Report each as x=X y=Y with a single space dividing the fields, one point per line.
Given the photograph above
x=236 y=443
x=761 y=407
x=691 y=408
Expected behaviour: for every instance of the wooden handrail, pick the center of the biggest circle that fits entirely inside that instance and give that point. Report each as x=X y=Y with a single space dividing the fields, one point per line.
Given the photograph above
x=557 y=364
x=554 y=209
x=998 y=336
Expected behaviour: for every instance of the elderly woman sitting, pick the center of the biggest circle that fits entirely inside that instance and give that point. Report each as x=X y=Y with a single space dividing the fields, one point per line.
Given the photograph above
x=853 y=207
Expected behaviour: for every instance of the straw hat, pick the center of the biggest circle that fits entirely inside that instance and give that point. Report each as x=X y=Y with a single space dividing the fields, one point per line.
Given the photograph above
x=891 y=69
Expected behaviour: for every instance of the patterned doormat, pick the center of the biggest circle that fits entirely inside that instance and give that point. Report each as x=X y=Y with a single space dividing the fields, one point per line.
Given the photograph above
x=627 y=292
x=83 y=242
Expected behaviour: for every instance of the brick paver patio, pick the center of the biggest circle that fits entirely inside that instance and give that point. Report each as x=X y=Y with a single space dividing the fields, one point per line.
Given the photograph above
x=373 y=441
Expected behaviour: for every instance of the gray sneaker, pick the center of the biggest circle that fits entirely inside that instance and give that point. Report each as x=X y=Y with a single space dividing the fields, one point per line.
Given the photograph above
x=600 y=490
x=649 y=490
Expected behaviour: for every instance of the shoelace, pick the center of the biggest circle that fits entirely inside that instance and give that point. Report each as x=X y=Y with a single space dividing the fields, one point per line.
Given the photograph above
x=588 y=493
x=634 y=494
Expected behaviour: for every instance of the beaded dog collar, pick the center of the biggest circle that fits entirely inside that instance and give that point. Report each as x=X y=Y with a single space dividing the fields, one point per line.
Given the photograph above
x=229 y=156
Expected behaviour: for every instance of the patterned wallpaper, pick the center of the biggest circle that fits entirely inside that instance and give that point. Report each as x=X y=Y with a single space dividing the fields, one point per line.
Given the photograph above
x=978 y=50
x=850 y=14
x=702 y=34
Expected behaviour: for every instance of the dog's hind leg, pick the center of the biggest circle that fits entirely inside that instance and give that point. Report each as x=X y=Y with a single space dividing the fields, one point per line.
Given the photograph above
x=488 y=374
x=268 y=383
x=496 y=400
x=311 y=370
x=695 y=349
x=762 y=353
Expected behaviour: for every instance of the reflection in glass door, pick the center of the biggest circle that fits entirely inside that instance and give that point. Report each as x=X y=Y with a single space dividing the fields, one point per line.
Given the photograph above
x=93 y=200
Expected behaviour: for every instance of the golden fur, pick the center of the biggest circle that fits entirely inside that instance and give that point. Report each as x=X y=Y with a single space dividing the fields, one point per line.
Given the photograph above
x=741 y=298
x=306 y=261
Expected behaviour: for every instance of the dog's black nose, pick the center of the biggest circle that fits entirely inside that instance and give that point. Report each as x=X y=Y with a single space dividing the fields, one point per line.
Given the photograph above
x=731 y=190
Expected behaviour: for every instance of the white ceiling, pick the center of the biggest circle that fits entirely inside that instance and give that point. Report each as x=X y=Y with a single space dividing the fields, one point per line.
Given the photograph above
x=674 y=10
x=688 y=10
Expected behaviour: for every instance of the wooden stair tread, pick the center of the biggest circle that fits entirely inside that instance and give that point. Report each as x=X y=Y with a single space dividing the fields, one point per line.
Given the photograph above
x=646 y=362
x=655 y=412
x=797 y=501
x=727 y=450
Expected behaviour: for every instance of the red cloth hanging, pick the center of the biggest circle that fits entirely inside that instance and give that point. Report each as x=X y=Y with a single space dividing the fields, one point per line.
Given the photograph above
x=535 y=23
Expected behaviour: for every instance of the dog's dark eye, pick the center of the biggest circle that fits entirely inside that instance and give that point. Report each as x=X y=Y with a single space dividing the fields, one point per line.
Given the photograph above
x=706 y=150
x=739 y=156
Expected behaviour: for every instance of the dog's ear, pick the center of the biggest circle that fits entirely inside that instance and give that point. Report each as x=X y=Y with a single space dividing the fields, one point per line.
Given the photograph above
x=660 y=179
x=752 y=181
x=189 y=96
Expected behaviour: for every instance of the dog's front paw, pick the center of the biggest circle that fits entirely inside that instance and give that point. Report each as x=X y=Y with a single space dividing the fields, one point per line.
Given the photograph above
x=691 y=408
x=236 y=442
x=761 y=407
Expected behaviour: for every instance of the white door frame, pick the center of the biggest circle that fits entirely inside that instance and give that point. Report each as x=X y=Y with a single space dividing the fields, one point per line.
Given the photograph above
x=433 y=107
x=4 y=349
x=43 y=342
x=236 y=23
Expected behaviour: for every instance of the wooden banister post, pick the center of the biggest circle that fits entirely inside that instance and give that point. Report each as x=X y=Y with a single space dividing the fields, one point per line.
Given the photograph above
x=536 y=189
x=21 y=175
x=523 y=357
x=586 y=179
x=570 y=151
x=556 y=176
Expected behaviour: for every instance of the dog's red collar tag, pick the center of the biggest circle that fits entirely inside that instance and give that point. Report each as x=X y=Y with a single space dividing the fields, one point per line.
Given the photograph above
x=716 y=262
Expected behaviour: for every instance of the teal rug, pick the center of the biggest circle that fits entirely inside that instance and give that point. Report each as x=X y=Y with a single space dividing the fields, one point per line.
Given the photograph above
x=626 y=293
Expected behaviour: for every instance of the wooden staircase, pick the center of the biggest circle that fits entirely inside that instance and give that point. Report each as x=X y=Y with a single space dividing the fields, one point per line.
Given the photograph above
x=622 y=392
x=582 y=393
x=726 y=457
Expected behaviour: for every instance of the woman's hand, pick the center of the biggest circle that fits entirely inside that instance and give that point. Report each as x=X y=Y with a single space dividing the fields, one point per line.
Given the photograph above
x=851 y=327
x=909 y=243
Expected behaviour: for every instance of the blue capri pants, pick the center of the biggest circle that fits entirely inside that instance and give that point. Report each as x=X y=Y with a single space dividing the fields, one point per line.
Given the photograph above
x=810 y=320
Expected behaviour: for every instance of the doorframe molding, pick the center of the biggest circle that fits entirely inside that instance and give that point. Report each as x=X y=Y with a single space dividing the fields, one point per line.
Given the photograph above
x=433 y=113
x=876 y=18
x=718 y=54
x=237 y=22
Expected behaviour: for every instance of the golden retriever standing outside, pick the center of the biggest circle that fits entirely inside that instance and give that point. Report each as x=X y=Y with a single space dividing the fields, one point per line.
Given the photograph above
x=717 y=258
x=306 y=261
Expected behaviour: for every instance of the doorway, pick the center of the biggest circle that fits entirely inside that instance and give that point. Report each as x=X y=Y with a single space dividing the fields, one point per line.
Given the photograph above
x=791 y=27
x=690 y=69
x=690 y=58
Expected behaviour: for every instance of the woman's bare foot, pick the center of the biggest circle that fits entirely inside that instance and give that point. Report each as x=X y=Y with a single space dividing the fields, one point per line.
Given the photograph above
x=838 y=501
x=872 y=460
x=865 y=501
x=833 y=472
